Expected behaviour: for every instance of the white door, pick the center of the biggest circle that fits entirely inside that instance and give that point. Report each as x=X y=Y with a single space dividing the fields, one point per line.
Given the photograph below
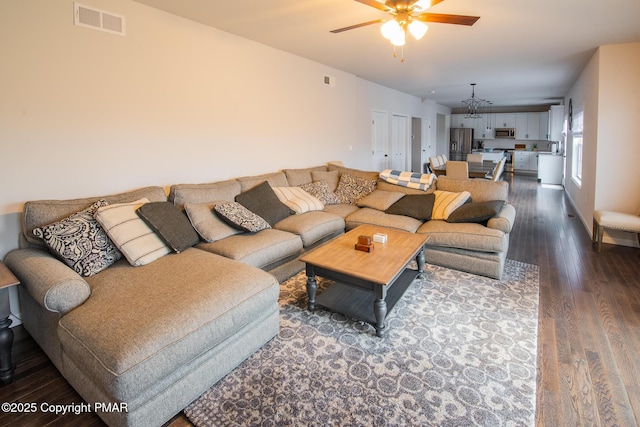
x=380 y=140
x=399 y=140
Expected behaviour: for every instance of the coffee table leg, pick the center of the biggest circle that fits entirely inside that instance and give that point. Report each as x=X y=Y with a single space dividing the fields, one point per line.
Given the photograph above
x=312 y=287
x=380 y=311
x=421 y=262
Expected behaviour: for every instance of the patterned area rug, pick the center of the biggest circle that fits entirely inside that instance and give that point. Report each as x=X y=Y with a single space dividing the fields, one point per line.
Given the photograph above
x=460 y=350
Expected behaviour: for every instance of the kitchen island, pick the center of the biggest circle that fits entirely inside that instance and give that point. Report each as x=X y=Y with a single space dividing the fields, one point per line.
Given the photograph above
x=550 y=168
x=493 y=156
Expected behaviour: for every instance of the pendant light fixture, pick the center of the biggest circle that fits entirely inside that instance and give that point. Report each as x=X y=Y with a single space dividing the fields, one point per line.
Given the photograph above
x=473 y=107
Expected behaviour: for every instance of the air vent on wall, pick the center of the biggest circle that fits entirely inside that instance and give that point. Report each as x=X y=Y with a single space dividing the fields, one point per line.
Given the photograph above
x=90 y=17
x=329 y=80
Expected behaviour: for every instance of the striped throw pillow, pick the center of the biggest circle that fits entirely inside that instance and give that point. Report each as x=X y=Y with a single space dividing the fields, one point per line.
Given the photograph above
x=139 y=244
x=446 y=202
x=298 y=200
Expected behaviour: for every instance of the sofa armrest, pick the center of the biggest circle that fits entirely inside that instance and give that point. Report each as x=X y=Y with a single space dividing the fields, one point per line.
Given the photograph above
x=49 y=281
x=504 y=220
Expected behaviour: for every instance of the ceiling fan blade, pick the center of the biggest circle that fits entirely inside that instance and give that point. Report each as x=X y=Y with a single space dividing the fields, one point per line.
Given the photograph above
x=377 y=5
x=427 y=3
x=352 y=27
x=447 y=19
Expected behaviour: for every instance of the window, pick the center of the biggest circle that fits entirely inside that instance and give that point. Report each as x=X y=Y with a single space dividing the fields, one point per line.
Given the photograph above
x=577 y=145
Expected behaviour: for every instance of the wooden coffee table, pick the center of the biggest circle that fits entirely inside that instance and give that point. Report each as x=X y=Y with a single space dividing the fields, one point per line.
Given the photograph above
x=367 y=284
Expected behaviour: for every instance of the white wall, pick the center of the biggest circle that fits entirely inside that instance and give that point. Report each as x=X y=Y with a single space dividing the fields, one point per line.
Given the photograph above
x=85 y=113
x=609 y=89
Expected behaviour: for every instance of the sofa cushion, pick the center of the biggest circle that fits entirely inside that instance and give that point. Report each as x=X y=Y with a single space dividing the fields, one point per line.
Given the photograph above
x=141 y=324
x=476 y=211
x=481 y=190
x=38 y=213
x=170 y=224
x=330 y=177
x=322 y=192
x=380 y=200
x=236 y=215
x=312 y=226
x=296 y=177
x=376 y=217
x=207 y=223
x=446 y=202
x=226 y=191
x=298 y=200
x=80 y=242
x=352 y=188
x=368 y=175
x=137 y=242
x=418 y=206
x=341 y=209
x=262 y=200
x=471 y=236
x=264 y=249
x=275 y=179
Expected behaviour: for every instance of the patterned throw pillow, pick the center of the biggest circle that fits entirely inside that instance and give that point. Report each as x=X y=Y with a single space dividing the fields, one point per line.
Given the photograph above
x=322 y=192
x=135 y=239
x=298 y=200
x=446 y=202
x=352 y=188
x=80 y=242
x=236 y=215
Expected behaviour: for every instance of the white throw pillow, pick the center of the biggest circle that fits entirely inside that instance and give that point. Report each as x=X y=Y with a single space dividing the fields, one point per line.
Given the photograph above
x=298 y=200
x=135 y=239
x=446 y=202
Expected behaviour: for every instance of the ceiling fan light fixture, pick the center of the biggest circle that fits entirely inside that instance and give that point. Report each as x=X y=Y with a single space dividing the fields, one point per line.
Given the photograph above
x=398 y=38
x=418 y=29
x=390 y=29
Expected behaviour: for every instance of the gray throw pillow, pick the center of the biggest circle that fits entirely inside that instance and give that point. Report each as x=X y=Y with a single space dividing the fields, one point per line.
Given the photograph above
x=418 y=206
x=476 y=211
x=263 y=201
x=170 y=224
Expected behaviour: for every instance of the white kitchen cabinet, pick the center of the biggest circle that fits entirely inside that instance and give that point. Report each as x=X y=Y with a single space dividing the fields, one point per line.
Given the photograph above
x=504 y=120
x=525 y=161
x=456 y=120
x=544 y=125
x=481 y=131
x=528 y=126
x=556 y=122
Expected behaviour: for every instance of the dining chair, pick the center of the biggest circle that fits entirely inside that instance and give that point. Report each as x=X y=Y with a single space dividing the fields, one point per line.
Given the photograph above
x=474 y=157
x=434 y=162
x=457 y=170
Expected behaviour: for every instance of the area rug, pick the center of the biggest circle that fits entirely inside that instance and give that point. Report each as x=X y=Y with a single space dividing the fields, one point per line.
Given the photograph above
x=460 y=350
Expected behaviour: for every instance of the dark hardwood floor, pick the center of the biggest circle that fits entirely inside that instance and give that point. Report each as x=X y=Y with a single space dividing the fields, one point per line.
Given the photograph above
x=588 y=325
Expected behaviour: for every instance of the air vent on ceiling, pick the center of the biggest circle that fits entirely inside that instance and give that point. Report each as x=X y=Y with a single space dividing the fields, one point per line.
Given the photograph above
x=90 y=17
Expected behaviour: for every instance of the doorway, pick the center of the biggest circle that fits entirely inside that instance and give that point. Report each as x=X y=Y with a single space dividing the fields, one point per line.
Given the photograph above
x=379 y=140
x=399 y=142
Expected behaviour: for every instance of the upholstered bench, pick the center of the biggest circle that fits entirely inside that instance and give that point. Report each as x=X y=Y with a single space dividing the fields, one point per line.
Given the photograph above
x=614 y=220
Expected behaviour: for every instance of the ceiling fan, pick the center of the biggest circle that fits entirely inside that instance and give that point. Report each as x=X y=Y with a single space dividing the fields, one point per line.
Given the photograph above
x=408 y=15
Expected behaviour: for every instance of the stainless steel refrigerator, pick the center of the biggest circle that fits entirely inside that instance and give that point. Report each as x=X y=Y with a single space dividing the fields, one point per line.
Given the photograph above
x=460 y=143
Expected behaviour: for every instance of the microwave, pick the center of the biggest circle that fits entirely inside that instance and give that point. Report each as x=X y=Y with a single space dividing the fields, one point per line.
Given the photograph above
x=505 y=133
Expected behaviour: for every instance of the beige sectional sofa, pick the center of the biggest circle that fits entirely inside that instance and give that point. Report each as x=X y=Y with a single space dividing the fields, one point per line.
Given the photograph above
x=156 y=336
